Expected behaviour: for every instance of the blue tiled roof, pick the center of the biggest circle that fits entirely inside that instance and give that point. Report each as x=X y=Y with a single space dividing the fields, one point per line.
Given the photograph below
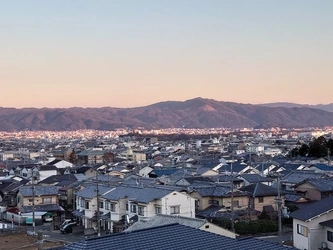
x=323 y=167
x=313 y=209
x=90 y=191
x=39 y=190
x=322 y=184
x=138 y=194
x=260 y=189
x=173 y=236
x=160 y=172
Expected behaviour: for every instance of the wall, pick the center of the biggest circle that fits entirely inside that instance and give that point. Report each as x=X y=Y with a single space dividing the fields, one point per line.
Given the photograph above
x=210 y=227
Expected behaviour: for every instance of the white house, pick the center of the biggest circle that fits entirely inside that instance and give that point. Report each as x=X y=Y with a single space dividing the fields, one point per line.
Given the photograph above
x=313 y=225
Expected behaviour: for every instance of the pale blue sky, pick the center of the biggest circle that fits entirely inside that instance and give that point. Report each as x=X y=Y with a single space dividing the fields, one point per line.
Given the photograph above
x=131 y=53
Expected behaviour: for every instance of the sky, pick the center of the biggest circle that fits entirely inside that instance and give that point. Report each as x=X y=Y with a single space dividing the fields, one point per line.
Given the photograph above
x=128 y=53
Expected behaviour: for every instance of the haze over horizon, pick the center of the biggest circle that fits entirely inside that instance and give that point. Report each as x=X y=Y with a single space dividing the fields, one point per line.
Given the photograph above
x=129 y=53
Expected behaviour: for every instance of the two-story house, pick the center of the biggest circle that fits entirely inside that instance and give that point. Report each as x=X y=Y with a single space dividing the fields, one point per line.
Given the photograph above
x=41 y=198
x=315 y=189
x=313 y=225
x=145 y=202
x=86 y=204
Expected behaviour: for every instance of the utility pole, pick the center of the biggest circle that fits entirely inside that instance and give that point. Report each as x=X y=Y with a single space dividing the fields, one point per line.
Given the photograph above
x=279 y=203
x=98 y=215
x=33 y=204
x=232 y=197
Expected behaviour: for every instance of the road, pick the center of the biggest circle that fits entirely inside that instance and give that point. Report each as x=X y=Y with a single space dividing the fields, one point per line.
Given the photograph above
x=275 y=238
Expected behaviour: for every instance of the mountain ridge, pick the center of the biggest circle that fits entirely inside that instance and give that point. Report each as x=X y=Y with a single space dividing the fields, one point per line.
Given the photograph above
x=193 y=113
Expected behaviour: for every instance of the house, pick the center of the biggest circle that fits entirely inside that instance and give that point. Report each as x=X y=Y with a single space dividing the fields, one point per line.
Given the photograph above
x=46 y=171
x=255 y=178
x=294 y=177
x=312 y=225
x=146 y=202
x=163 y=219
x=315 y=189
x=171 y=236
x=219 y=195
x=262 y=197
x=86 y=204
x=61 y=163
x=44 y=199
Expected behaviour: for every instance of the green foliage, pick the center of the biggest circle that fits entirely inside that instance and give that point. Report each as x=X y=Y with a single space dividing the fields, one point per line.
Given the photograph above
x=318 y=147
x=222 y=222
x=256 y=227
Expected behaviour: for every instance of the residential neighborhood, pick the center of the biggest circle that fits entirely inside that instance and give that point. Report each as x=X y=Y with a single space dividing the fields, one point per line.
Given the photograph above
x=225 y=187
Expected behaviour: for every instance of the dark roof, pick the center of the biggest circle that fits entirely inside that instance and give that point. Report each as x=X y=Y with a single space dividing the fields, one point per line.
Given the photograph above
x=328 y=223
x=91 y=191
x=47 y=167
x=259 y=189
x=295 y=177
x=58 y=178
x=172 y=236
x=160 y=172
x=138 y=194
x=322 y=184
x=27 y=191
x=43 y=208
x=323 y=167
x=53 y=162
x=313 y=209
x=254 y=178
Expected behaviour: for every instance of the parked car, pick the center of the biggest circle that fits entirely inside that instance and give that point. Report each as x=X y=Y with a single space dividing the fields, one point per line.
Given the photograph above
x=68 y=228
x=65 y=222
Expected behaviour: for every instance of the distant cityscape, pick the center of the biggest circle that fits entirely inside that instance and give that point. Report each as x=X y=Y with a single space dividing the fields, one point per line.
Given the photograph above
x=94 y=182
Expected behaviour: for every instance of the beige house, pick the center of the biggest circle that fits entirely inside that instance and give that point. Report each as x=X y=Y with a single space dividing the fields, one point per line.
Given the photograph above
x=43 y=198
x=219 y=196
x=262 y=197
x=315 y=189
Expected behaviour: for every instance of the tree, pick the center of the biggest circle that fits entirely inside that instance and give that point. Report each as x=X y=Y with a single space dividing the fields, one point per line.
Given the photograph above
x=318 y=147
x=73 y=158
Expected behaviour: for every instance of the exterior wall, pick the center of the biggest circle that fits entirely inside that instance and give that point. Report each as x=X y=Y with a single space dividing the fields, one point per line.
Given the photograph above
x=210 y=227
x=38 y=200
x=310 y=191
x=268 y=200
x=46 y=173
x=139 y=157
x=316 y=235
x=186 y=203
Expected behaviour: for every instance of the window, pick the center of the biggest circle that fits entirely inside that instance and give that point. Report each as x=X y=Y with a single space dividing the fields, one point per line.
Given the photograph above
x=133 y=208
x=47 y=200
x=101 y=204
x=330 y=236
x=126 y=206
x=175 y=210
x=141 y=210
x=302 y=230
x=113 y=207
x=31 y=200
x=261 y=199
x=158 y=210
x=87 y=205
x=82 y=203
x=107 y=205
x=214 y=202
x=235 y=203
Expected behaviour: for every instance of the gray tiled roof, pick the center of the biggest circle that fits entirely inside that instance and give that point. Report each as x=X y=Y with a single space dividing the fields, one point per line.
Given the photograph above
x=173 y=236
x=91 y=191
x=43 y=208
x=322 y=184
x=26 y=191
x=313 y=209
x=162 y=219
x=254 y=178
x=328 y=223
x=295 y=177
x=138 y=194
x=259 y=189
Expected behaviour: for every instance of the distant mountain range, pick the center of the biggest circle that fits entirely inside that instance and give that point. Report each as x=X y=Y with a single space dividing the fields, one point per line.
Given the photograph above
x=326 y=107
x=194 y=113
